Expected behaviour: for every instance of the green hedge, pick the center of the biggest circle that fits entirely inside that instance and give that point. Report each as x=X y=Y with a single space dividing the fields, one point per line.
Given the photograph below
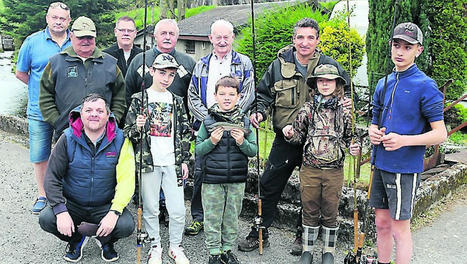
x=274 y=30
x=444 y=28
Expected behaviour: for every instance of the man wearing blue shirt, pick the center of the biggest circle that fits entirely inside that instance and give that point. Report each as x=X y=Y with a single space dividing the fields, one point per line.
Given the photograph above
x=32 y=59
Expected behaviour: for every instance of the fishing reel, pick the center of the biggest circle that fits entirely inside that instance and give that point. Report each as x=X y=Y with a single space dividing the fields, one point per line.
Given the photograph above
x=258 y=222
x=359 y=258
x=141 y=238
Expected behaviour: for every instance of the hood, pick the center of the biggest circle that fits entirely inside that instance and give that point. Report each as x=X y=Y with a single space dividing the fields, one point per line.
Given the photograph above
x=76 y=124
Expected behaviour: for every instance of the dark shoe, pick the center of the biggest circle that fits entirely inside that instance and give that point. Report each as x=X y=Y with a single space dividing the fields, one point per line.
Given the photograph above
x=297 y=246
x=229 y=258
x=108 y=252
x=39 y=204
x=74 y=250
x=215 y=259
x=194 y=228
x=328 y=258
x=306 y=258
x=251 y=243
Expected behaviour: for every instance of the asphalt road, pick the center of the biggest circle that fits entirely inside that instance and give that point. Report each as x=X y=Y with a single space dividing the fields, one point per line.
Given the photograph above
x=22 y=240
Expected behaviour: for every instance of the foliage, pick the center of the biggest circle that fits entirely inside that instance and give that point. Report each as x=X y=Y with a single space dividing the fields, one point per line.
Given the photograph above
x=329 y=5
x=21 y=18
x=274 y=30
x=458 y=138
x=444 y=55
x=455 y=116
x=334 y=43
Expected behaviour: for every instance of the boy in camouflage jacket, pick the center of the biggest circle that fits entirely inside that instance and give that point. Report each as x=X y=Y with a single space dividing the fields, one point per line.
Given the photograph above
x=165 y=153
x=323 y=127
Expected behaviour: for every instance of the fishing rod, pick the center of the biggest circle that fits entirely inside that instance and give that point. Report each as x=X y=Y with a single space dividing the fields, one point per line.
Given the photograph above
x=359 y=238
x=139 y=233
x=258 y=221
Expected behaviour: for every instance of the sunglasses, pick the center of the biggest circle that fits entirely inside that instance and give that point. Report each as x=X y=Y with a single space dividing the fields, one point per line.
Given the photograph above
x=59 y=4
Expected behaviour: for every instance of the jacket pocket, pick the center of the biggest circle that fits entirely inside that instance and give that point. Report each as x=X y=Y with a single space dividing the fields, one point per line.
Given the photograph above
x=286 y=93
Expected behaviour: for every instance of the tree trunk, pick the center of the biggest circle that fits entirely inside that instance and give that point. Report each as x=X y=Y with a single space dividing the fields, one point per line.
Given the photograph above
x=163 y=7
x=181 y=9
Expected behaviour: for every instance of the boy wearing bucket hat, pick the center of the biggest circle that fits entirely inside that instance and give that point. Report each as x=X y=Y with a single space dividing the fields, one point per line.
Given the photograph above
x=165 y=150
x=324 y=128
x=402 y=109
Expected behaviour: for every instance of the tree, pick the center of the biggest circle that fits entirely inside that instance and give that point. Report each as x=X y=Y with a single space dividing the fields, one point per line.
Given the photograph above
x=21 y=18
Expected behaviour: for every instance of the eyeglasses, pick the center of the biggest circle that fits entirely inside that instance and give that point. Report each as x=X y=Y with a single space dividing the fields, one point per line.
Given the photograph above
x=59 y=4
x=124 y=30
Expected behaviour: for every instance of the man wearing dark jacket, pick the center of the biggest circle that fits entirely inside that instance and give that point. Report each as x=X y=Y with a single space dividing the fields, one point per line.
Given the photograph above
x=284 y=89
x=89 y=182
x=124 y=49
x=76 y=72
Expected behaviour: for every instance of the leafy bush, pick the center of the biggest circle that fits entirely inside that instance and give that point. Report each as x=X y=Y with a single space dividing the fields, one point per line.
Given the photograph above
x=274 y=30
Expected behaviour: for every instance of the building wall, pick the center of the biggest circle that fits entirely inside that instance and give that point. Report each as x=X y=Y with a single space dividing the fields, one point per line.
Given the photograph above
x=202 y=48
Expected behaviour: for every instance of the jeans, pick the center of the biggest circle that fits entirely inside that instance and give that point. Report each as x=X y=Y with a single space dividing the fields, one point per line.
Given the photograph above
x=124 y=227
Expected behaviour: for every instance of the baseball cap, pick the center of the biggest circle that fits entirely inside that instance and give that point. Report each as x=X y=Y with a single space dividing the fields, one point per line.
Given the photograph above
x=164 y=61
x=327 y=71
x=83 y=26
x=408 y=32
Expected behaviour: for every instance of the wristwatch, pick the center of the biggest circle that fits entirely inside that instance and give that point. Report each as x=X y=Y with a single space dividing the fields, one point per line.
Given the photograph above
x=116 y=212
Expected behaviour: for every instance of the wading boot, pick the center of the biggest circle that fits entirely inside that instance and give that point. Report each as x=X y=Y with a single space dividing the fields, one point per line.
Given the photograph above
x=310 y=234
x=329 y=236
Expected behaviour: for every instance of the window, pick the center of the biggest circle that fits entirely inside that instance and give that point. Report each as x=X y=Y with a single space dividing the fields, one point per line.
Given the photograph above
x=190 y=47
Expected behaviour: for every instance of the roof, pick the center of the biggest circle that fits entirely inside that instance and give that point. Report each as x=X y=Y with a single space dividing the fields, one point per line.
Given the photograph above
x=238 y=15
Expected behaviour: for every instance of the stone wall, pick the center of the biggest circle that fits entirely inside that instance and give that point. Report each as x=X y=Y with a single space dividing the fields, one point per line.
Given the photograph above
x=436 y=184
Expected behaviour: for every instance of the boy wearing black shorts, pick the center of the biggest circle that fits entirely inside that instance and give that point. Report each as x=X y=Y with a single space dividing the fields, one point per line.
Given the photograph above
x=399 y=133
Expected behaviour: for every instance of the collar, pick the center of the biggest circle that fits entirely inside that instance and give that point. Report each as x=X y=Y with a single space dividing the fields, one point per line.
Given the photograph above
x=71 y=52
x=48 y=36
x=227 y=57
x=160 y=52
x=411 y=70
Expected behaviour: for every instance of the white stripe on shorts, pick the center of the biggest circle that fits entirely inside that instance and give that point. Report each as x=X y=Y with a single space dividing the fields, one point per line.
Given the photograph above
x=399 y=196
x=414 y=185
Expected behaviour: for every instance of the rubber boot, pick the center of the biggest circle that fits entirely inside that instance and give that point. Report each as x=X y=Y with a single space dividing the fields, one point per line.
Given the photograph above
x=329 y=236
x=310 y=234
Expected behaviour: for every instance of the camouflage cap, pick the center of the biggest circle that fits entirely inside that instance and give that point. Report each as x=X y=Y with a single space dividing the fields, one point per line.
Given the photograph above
x=164 y=61
x=408 y=32
x=83 y=26
x=327 y=71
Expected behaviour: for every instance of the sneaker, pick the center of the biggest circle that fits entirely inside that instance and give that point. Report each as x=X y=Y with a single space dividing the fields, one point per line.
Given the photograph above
x=178 y=255
x=251 y=243
x=229 y=258
x=74 y=250
x=155 y=255
x=108 y=252
x=39 y=204
x=194 y=228
x=297 y=247
x=215 y=259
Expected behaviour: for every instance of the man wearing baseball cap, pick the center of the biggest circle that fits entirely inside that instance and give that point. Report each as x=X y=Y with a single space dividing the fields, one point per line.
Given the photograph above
x=401 y=110
x=76 y=72
x=166 y=153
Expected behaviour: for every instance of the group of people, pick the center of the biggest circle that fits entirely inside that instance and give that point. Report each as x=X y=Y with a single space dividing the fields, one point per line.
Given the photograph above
x=106 y=129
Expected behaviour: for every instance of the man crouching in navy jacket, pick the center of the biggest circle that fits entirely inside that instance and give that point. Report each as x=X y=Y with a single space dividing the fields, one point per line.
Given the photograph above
x=89 y=182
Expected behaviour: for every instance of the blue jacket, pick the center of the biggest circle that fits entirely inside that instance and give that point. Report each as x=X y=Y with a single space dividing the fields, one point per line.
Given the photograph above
x=411 y=101
x=89 y=176
x=241 y=67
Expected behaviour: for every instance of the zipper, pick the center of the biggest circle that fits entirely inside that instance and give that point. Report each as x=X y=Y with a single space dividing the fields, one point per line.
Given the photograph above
x=292 y=97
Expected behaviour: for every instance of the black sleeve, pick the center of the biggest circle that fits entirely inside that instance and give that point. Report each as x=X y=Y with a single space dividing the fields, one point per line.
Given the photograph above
x=56 y=170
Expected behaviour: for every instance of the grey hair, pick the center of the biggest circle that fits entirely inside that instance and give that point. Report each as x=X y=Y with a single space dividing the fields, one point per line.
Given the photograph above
x=222 y=22
x=306 y=22
x=166 y=21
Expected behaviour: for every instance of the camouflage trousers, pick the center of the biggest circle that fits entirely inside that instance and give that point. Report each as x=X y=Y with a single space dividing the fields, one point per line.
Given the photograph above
x=222 y=204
